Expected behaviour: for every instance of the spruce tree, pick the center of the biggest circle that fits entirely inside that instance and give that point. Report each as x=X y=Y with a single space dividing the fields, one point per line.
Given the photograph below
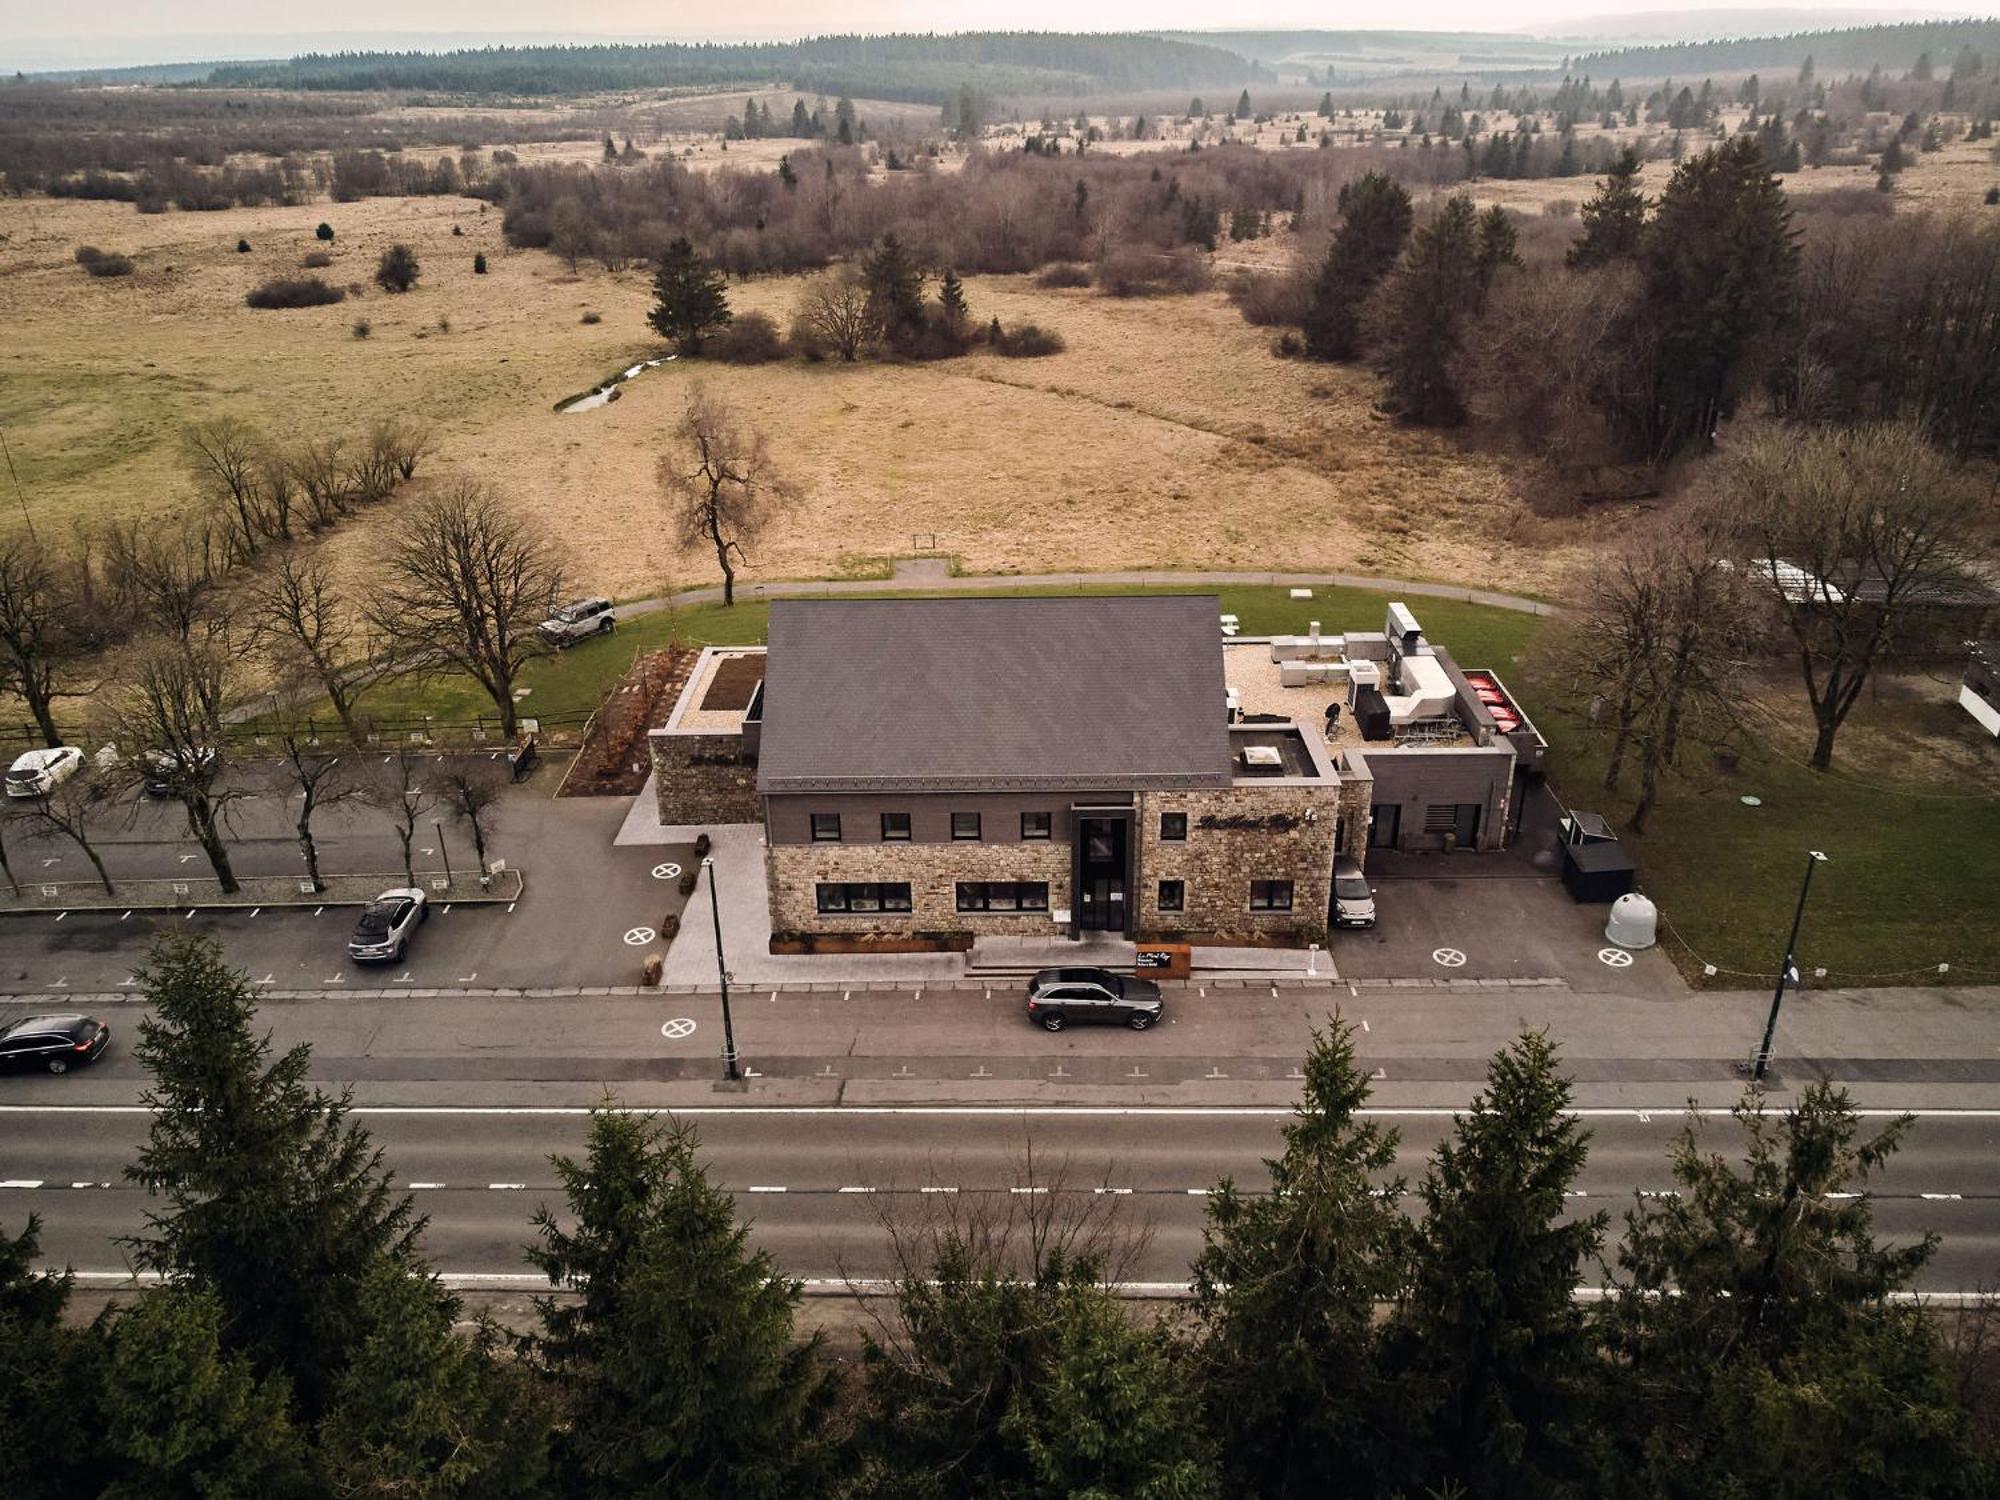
x=1375 y=218
x=49 y=1379
x=1286 y=1287
x=275 y=1203
x=678 y=1361
x=1494 y=1353
x=895 y=290
x=1242 y=106
x=690 y=300
x=1497 y=244
x=1436 y=288
x=952 y=303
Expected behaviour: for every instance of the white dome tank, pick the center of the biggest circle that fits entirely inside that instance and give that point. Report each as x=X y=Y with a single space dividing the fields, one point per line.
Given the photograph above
x=1635 y=922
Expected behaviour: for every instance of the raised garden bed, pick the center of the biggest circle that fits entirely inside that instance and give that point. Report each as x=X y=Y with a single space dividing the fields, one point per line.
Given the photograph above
x=871 y=942
x=614 y=760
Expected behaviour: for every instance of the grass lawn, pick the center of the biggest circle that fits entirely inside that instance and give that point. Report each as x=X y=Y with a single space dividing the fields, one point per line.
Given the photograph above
x=1909 y=881
x=578 y=680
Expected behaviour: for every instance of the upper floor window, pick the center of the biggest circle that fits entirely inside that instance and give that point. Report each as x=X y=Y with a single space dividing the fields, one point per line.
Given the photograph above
x=965 y=825
x=826 y=828
x=1035 y=825
x=895 y=828
x=1173 y=825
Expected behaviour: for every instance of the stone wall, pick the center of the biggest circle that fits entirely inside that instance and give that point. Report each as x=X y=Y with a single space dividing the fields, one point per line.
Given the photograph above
x=704 y=779
x=1254 y=833
x=933 y=872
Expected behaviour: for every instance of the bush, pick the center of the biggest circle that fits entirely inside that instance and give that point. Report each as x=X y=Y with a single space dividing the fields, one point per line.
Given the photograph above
x=593 y=317
x=750 y=338
x=1288 y=345
x=1153 y=273
x=362 y=328
x=1026 y=341
x=325 y=232
x=242 y=247
x=457 y=229
x=806 y=341
x=1064 y=273
x=103 y=262
x=318 y=260
x=294 y=291
x=479 y=263
x=1270 y=298
x=397 y=271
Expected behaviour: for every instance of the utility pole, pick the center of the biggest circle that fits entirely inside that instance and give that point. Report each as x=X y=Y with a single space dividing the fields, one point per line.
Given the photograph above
x=1788 y=969
x=722 y=974
x=19 y=493
x=443 y=853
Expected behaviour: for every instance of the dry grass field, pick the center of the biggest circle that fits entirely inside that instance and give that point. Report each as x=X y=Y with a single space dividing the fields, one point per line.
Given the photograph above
x=1166 y=435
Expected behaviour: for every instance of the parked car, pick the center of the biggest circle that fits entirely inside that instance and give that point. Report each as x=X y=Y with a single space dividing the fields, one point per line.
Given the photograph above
x=575 y=622
x=1353 y=901
x=164 y=772
x=52 y=1044
x=1062 y=997
x=36 y=772
x=382 y=933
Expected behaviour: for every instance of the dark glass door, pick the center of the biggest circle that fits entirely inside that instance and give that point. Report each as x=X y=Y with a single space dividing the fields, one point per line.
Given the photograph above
x=1101 y=874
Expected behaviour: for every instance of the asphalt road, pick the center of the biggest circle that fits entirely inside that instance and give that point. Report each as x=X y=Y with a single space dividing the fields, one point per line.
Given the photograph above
x=817 y=1184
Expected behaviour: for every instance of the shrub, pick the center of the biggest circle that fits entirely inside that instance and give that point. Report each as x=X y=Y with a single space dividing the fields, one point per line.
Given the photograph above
x=479 y=263
x=362 y=328
x=593 y=317
x=806 y=341
x=444 y=325
x=1269 y=298
x=1026 y=341
x=397 y=271
x=1063 y=273
x=457 y=229
x=294 y=291
x=750 y=338
x=242 y=247
x=1288 y=345
x=1152 y=273
x=325 y=232
x=103 y=262
x=318 y=260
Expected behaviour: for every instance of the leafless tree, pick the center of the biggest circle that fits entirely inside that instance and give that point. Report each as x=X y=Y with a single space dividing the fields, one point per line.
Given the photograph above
x=320 y=470
x=6 y=864
x=464 y=586
x=322 y=776
x=229 y=462
x=403 y=444
x=167 y=709
x=835 y=307
x=471 y=790
x=72 y=808
x=403 y=789
x=36 y=643
x=303 y=626
x=171 y=574
x=720 y=482
x=1858 y=535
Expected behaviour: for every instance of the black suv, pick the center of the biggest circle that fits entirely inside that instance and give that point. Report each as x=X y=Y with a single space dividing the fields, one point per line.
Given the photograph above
x=1058 y=997
x=52 y=1044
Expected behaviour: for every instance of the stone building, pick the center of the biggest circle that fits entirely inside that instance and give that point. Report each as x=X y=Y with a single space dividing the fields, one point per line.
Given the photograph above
x=1049 y=766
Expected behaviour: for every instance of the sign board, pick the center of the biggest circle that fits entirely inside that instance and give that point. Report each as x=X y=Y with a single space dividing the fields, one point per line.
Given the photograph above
x=1059 y=915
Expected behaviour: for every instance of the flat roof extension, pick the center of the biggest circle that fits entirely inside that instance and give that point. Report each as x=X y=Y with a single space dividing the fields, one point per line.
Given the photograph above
x=1092 y=693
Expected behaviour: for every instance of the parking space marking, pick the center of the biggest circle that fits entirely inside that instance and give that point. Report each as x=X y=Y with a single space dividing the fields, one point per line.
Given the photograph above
x=338 y=979
x=1614 y=958
x=638 y=937
x=668 y=871
x=677 y=1028
x=255 y=909
x=468 y=978
x=402 y=978
x=60 y=915
x=1448 y=958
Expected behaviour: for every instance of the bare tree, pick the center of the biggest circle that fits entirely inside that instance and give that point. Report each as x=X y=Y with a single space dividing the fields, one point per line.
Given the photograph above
x=6 y=864
x=303 y=625
x=36 y=643
x=168 y=710
x=322 y=776
x=320 y=470
x=71 y=807
x=403 y=789
x=835 y=307
x=1858 y=535
x=171 y=574
x=464 y=586
x=720 y=482
x=228 y=460
x=471 y=790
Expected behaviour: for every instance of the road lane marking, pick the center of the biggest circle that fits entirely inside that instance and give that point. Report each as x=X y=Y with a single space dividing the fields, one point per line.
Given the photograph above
x=124 y=915
x=757 y=1189
x=934 y=1188
x=1941 y=1197
x=1113 y=1192
x=1017 y=1111
x=857 y=1190
x=424 y=1187
x=506 y=1187
x=255 y=909
x=1199 y=1192
x=21 y=1182
x=1027 y=1192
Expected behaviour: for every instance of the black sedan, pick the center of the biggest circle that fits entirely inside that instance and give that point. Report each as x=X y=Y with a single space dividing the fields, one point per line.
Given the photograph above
x=1064 y=997
x=52 y=1044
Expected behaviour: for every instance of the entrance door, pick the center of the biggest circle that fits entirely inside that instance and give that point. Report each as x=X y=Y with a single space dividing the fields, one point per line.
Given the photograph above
x=1466 y=825
x=1385 y=825
x=1101 y=875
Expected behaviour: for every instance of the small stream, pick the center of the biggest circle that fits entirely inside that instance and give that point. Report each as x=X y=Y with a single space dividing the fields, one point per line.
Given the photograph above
x=607 y=393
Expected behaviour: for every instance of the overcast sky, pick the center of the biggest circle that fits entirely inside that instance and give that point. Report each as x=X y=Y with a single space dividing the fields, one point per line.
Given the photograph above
x=37 y=33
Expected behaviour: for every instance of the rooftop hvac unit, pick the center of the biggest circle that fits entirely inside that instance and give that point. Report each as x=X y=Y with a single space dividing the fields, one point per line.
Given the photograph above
x=1371 y=715
x=1402 y=628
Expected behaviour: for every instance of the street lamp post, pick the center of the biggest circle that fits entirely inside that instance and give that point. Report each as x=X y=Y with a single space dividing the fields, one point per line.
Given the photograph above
x=1787 y=968
x=721 y=973
x=443 y=853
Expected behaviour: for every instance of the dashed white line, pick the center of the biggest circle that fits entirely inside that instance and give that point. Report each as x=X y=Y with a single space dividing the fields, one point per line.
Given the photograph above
x=1114 y=1192
x=1027 y=1192
x=934 y=1188
x=1941 y=1197
x=506 y=1187
x=21 y=1182
x=424 y=1187
x=1199 y=1192
x=756 y=1189
x=857 y=1190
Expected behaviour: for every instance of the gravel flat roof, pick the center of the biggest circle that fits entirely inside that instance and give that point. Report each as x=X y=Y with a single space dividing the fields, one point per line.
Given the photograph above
x=1103 y=692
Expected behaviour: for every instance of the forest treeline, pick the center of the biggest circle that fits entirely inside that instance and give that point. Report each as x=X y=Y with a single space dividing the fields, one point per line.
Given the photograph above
x=1854 y=48
x=1350 y=1332
x=926 y=68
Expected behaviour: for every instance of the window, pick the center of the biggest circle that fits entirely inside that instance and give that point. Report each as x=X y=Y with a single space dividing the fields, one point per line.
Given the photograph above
x=895 y=828
x=1173 y=826
x=826 y=828
x=862 y=895
x=1003 y=895
x=1270 y=895
x=1173 y=895
x=1034 y=825
x=965 y=825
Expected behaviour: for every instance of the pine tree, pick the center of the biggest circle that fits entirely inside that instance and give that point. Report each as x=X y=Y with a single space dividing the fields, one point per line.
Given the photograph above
x=786 y=175
x=1434 y=291
x=678 y=1359
x=895 y=289
x=479 y=263
x=275 y=1203
x=951 y=301
x=1242 y=106
x=49 y=1379
x=1493 y=1351
x=1286 y=1287
x=690 y=301
x=1752 y=1327
x=1375 y=217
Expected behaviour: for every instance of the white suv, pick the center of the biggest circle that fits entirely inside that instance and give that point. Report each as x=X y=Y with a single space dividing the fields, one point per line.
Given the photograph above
x=575 y=622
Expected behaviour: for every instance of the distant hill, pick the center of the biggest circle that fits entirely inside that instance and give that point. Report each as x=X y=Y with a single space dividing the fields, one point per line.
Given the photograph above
x=922 y=68
x=1651 y=27
x=1854 y=50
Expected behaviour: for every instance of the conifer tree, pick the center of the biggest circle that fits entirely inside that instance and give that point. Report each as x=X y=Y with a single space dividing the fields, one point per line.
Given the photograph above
x=1375 y=218
x=1435 y=289
x=952 y=303
x=1286 y=1287
x=678 y=1360
x=690 y=300
x=49 y=1379
x=1497 y=244
x=895 y=289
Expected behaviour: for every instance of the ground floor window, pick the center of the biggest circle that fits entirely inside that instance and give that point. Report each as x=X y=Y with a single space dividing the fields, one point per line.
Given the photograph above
x=1270 y=895
x=1003 y=895
x=863 y=895
x=1173 y=895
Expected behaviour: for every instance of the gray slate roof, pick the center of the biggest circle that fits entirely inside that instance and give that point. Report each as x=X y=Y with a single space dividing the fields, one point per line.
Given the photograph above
x=1005 y=694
